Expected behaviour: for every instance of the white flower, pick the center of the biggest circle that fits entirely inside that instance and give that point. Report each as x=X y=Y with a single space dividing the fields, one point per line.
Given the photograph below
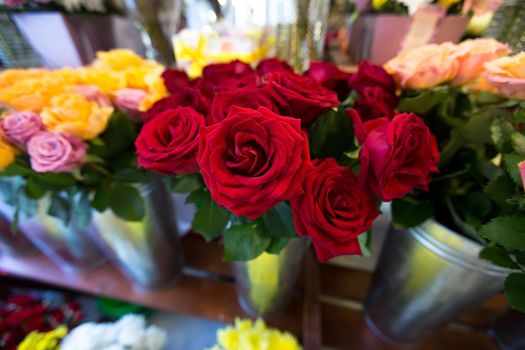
x=156 y=338
x=414 y=5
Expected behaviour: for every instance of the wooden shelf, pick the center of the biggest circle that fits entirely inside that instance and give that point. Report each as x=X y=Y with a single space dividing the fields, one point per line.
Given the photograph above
x=326 y=308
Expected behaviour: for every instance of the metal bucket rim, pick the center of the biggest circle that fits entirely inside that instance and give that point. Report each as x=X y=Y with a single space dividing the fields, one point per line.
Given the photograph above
x=456 y=256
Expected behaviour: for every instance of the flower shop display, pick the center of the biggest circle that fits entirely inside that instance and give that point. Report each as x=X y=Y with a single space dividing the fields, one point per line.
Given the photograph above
x=270 y=155
x=254 y=335
x=130 y=332
x=24 y=319
x=209 y=32
x=68 y=155
x=461 y=242
x=407 y=24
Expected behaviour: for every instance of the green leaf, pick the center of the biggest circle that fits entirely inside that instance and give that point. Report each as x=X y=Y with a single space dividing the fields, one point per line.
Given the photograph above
x=210 y=220
x=511 y=165
x=507 y=231
x=19 y=168
x=498 y=257
x=199 y=197
x=477 y=206
x=33 y=189
x=277 y=245
x=501 y=133
x=119 y=136
x=56 y=179
x=520 y=257
x=476 y=128
x=424 y=100
x=515 y=291
x=279 y=221
x=365 y=242
x=126 y=202
x=500 y=189
x=130 y=175
x=186 y=183
x=101 y=199
x=81 y=210
x=518 y=143
x=349 y=101
x=410 y=211
x=245 y=242
x=331 y=135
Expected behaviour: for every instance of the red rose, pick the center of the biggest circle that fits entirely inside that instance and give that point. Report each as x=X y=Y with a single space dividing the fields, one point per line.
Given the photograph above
x=333 y=209
x=369 y=74
x=299 y=97
x=397 y=155
x=245 y=97
x=188 y=97
x=328 y=75
x=224 y=76
x=175 y=80
x=374 y=102
x=270 y=65
x=169 y=143
x=253 y=160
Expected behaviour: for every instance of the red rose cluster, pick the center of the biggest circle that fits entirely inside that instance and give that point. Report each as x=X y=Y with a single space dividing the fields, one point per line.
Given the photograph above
x=23 y=314
x=247 y=130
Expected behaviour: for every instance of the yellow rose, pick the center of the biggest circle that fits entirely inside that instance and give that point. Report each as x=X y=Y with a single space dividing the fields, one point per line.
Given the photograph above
x=139 y=77
x=424 y=67
x=73 y=114
x=377 y=4
x=472 y=55
x=7 y=153
x=447 y=3
x=507 y=76
x=121 y=59
x=11 y=76
x=107 y=81
x=31 y=94
x=156 y=90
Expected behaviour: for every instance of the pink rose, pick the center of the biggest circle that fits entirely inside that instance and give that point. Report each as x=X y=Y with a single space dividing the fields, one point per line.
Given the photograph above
x=53 y=152
x=93 y=94
x=14 y=3
x=20 y=127
x=129 y=100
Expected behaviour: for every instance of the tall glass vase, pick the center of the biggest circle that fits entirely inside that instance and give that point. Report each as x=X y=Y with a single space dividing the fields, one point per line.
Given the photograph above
x=147 y=251
x=13 y=243
x=427 y=276
x=265 y=285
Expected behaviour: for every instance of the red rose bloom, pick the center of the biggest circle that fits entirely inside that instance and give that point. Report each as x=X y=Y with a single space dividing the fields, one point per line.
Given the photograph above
x=224 y=76
x=397 y=155
x=175 y=80
x=270 y=65
x=169 y=143
x=374 y=102
x=253 y=160
x=369 y=74
x=299 y=97
x=188 y=97
x=333 y=209
x=246 y=97
x=331 y=77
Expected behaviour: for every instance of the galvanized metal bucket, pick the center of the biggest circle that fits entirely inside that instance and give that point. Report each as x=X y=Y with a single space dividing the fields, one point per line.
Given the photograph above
x=266 y=284
x=426 y=276
x=147 y=251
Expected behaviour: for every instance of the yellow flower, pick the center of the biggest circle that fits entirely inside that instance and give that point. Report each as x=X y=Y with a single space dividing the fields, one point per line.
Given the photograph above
x=246 y=335
x=377 y=4
x=73 y=114
x=7 y=153
x=507 y=75
x=156 y=90
x=31 y=94
x=43 y=341
x=121 y=59
x=106 y=80
x=138 y=78
x=11 y=76
x=447 y=3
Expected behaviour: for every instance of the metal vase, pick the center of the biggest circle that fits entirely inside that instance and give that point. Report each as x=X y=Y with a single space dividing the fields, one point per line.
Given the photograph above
x=13 y=244
x=427 y=276
x=266 y=284
x=69 y=247
x=147 y=251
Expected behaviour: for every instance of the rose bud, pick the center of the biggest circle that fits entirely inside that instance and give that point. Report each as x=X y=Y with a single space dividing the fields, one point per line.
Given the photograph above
x=129 y=100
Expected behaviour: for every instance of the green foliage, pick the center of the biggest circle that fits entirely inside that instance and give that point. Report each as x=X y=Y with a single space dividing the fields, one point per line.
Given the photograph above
x=277 y=245
x=119 y=137
x=126 y=202
x=510 y=162
x=501 y=132
x=365 y=242
x=186 y=183
x=500 y=189
x=507 y=231
x=245 y=241
x=499 y=257
x=423 y=101
x=210 y=220
x=515 y=291
x=331 y=135
x=411 y=211
x=279 y=221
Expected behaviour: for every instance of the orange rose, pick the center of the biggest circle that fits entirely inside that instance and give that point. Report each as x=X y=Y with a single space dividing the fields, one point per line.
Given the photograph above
x=424 y=67
x=507 y=76
x=472 y=55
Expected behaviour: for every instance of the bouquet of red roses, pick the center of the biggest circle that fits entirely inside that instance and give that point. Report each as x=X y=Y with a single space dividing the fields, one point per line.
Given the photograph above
x=268 y=154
